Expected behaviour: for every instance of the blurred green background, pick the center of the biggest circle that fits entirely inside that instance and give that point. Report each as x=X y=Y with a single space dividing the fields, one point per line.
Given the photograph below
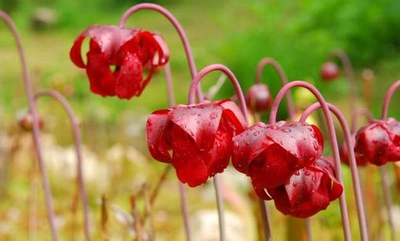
x=238 y=34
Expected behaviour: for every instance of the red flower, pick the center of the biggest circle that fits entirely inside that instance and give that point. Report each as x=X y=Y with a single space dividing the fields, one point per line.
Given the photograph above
x=117 y=57
x=344 y=155
x=258 y=98
x=308 y=191
x=379 y=141
x=329 y=71
x=195 y=139
x=270 y=154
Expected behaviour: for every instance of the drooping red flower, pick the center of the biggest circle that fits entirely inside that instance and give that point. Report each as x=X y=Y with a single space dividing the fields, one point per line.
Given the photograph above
x=379 y=141
x=344 y=155
x=258 y=98
x=329 y=71
x=117 y=59
x=309 y=190
x=195 y=139
x=270 y=154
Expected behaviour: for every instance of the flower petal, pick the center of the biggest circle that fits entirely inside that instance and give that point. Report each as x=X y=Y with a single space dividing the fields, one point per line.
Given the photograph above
x=302 y=140
x=309 y=190
x=249 y=144
x=199 y=121
x=128 y=76
x=187 y=159
x=156 y=126
x=271 y=168
x=234 y=115
x=220 y=154
x=102 y=81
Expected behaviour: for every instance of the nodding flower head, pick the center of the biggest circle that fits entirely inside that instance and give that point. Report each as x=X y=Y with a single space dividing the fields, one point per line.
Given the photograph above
x=118 y=57
x=379 y=141
x=329 y=71
x=270 y=154
x=258 y=98
x=308 y=191
x=195 y=139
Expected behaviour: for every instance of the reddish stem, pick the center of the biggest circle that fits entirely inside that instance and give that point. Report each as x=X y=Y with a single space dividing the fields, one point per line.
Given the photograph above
x=332 y=136
x=283 y=78
x=35 y=129
x=78 y=143
x=242 y=102
x=388 y=97
x=353 y=165
x=383 y=169
x=176 y=25
x=349 y=72
x=356 y=114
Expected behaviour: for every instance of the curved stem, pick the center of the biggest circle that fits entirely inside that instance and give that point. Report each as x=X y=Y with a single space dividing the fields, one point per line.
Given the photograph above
x=176 y=25
x=349 y=72
x=332 y=136
x=184 y=211
x=240 y=96
x=388 y=200
x=182 y=191
x=353 y=165
x=283 y=78
x=388 y=97
x=356 y=114
x=383 y=169
x=231 y=77
x=193 y=87
x=78 y=143
x=35 y=129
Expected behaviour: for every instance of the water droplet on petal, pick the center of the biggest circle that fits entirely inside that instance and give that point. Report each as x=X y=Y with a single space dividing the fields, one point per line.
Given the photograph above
x=286 y=130
x=297 y=173
x=256 y=133
x=294 y=184
x=213 y=115
x=307 y=173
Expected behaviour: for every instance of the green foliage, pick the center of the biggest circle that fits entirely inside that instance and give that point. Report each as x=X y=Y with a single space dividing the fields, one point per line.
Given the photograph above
x=299 y=35
x=367 y=30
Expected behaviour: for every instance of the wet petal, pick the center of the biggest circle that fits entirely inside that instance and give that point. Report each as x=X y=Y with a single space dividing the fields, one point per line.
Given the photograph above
x=157 y=141
x=200 y=122
x=309 y=190
x=220 y=154
x=187 y=159
x=375 y=143
x=234 y=115
x=128 y=76
x=273 y=167
x=102 y=81
x=249 y=144
x=302 y=140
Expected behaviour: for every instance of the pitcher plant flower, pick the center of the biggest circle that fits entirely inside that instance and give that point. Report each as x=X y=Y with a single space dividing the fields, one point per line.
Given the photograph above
x=308 y=191
x=195 y=139
x=118 y=59
x=379 y=141
x=270 y=154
